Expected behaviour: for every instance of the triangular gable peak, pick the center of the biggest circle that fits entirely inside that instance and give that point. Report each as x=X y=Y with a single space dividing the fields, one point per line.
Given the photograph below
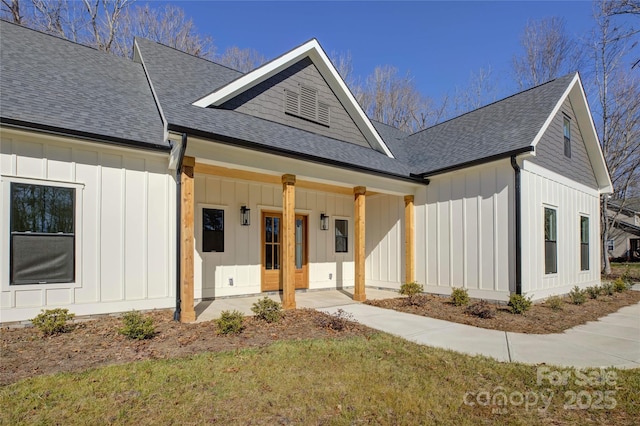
x=575 y=94
x=318 y=57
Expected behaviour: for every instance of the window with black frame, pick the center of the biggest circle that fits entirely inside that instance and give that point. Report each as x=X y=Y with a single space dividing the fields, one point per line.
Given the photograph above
x=213 y=230
x=42 y=234
x=566 y=127
x=584 y=243
x=550 y=241
x=342 y=236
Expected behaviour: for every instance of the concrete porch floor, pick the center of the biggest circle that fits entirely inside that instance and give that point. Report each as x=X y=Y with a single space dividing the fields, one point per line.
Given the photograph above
x=207 y=310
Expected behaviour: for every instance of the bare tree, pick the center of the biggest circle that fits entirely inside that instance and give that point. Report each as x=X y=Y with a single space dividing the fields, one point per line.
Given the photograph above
x=105 y=22
x=243 y=60
x=480 y=90
x=167 y=25
x=393 y=99
x=11 y=10
x=617 y=115
x=624 y=8
x=548 y=52
x=110 y=25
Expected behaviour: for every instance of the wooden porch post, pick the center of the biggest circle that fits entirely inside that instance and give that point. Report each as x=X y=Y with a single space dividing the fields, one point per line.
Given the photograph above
x=359 y=249
x=288 y=241
x=409 y=246
x=187 y=311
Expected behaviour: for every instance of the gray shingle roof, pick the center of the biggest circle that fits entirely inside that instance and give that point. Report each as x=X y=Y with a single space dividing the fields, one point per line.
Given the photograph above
x=52 y=83
x=177 y=88
x=505 y=126
x=394 y=139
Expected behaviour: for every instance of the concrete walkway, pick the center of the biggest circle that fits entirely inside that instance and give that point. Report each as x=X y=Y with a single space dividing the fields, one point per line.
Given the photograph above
x=208 y=310
x=612 y=341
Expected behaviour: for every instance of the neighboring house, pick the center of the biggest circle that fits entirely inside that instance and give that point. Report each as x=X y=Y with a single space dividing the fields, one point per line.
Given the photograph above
x=624 y=236
x=167 y=179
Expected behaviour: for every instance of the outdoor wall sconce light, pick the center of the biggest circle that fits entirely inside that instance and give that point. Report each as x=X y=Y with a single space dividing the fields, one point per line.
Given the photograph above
x=245 y=216
x=324 y=222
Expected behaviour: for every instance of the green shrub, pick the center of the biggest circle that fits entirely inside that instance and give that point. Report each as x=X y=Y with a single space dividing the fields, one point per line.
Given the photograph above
x=460 y=296
x=137 y=327
x=267 y=310
x=607 y=289
x=411 y=290
x=619 y=285
x=230 y=322
x=626 y=276
x=555 y=303
x=337 y=321
x=594 y=291
x=519 y=304
x=577 y=296
x=53 y=321
x=481 y=309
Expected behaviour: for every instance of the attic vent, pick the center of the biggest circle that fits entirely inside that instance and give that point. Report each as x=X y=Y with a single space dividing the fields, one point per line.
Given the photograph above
x=306 y=105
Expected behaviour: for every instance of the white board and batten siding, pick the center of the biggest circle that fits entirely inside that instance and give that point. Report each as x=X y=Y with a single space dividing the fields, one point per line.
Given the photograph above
x=237 y=270
x=463 y=232
x=385 y=227
x=124 y=225
x=571 y=200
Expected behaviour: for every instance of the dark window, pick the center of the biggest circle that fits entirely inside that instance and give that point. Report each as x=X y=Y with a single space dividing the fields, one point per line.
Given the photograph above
x=584 y=243
x=42 y=234
x=610 y=245
x=212 y=230
x=342 y=236
x=567 y=137
x=550 y=242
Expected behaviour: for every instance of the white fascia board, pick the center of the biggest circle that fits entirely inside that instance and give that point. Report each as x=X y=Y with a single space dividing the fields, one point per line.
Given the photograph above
x=314 y=51
x=555 y=110
x=590 y=137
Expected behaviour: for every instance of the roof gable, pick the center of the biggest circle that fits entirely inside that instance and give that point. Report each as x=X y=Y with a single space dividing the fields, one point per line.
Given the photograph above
x=314 y=52
x=511 y=126
x=550 y=149
x=575 y=93
x=278 y=99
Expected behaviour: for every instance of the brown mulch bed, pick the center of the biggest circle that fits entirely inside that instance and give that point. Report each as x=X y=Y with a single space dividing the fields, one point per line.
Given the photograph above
x=24 y=352
x=540 y=319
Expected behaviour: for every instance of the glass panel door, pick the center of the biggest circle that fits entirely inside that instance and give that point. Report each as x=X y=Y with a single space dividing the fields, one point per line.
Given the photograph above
x=299 y=243
x=272 y=243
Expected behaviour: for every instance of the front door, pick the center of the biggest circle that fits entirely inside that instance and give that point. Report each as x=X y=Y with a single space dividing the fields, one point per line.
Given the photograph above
x=272 y=252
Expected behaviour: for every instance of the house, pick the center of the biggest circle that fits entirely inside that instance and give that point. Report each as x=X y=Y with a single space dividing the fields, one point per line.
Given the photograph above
x=624 y=237
x=163 y=180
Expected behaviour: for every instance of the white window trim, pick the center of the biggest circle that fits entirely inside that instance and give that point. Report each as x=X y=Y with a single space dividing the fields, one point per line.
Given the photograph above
x=5 y=214
x=580 y=270
x=544 y=265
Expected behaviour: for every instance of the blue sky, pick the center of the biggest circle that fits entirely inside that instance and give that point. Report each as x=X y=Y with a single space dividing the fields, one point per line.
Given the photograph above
x=440 y=43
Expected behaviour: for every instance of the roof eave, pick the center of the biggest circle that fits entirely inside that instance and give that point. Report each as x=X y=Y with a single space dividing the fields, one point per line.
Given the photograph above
x=78 y=134
x=477 y=162
x=291 y=154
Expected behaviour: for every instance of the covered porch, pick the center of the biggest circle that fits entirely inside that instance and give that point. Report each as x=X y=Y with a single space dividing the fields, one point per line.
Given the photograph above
x=247 y=228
